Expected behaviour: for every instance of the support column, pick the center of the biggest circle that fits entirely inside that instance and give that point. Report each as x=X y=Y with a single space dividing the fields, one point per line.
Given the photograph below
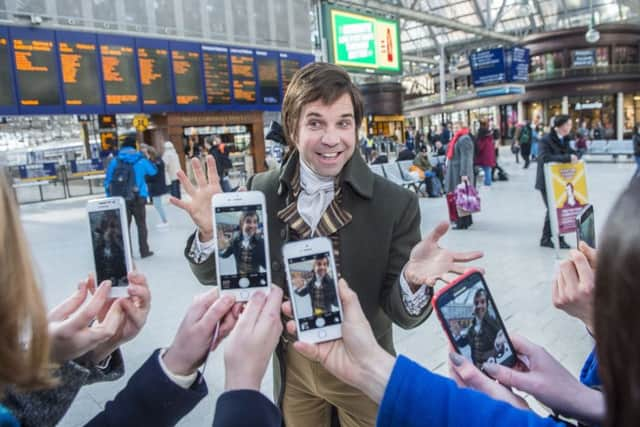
x=620 y=116
x=443 y=76
x=565 y=105
x=520 y=110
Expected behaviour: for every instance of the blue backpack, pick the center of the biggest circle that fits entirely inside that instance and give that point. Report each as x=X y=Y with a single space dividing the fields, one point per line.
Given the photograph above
x=123 y=181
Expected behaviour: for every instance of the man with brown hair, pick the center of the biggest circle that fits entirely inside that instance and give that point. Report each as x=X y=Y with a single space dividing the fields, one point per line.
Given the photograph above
x=324 y=189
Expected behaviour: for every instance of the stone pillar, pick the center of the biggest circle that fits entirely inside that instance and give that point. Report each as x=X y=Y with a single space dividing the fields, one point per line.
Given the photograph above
x=620 y=116
x=520 y=110
x=565 y=105
x=443 y=77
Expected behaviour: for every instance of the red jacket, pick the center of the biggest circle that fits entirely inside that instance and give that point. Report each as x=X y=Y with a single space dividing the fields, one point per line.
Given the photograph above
x=486 y=153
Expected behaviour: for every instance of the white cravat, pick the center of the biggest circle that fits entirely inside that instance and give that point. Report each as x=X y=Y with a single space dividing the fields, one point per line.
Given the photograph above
x=245 y=241
x=315 y=196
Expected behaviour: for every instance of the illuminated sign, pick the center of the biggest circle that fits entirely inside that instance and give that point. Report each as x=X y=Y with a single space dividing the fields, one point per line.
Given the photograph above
x=288 y=68
x=37 y=72
x=79 y=63
x=187 y=77
x=216 y=74
x=363 y=42
x=268 y=78
x=154 y=76
x=244 y=78
x=119 y=74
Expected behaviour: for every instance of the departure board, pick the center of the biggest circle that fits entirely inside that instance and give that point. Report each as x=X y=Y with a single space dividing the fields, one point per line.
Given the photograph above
x=154 y=76
x=79 y=62
x=216 y=75
x=187 y=77
x=288 y=68
x=6 y=85
x=244 y=79
x=119 y=74
x=268 y=80
x=37 y=72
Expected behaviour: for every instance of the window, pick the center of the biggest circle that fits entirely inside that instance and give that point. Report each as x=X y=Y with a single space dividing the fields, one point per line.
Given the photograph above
x=537 y=64
x=553 y=62
x=625 y=55
x=602 y=56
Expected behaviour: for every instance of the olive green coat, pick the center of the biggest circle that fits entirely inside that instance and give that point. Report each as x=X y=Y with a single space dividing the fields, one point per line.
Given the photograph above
x=374 y=246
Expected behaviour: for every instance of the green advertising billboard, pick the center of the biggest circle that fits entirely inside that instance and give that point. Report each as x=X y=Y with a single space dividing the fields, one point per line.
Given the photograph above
x=362 y=42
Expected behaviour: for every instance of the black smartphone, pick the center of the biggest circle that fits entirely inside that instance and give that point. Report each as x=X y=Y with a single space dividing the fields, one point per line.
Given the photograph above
x=472 y=323
x=585 y=226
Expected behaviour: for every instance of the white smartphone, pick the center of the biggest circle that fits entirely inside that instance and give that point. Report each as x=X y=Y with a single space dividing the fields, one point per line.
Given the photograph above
x=109 y=235
x=242 y=251
x=313 y=289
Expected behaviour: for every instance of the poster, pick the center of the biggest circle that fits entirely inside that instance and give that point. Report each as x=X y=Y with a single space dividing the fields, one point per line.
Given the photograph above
x=566 y=194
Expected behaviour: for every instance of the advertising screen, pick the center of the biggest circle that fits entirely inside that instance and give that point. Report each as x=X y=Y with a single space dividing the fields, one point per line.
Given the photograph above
x=244 y=77
x=362 y=42
x=7 y=97
x=216 y=74
x=187 y=77
x=155 y=76
x=268 y=78
x=488 y=67
x=37 y=72
x=79 y=62
x=119 y=74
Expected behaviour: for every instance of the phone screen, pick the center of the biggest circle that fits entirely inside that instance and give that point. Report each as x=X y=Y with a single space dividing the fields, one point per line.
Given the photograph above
x=473 y=323
x=315 y=292
x=587 y=230
x=108 y=247
x=242 y=261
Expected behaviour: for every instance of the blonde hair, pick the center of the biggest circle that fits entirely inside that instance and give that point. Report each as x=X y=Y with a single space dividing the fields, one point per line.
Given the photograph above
x=24 y=343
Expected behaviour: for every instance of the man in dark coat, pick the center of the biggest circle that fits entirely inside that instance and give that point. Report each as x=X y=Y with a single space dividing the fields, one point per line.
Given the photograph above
x=323 y=189
x=554 y=147
x=247 y=247
x=321 y=287
x=482 y=333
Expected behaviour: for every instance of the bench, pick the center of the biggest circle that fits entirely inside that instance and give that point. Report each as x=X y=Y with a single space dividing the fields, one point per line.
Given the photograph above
x=610 y=148
x=39 y=184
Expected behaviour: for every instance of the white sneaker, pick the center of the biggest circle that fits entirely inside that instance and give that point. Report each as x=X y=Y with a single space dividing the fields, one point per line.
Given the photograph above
x=163 y=225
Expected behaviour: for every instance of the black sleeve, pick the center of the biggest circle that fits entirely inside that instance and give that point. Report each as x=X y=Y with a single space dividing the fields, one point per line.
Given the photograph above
x=150 y=398
x=246 y=408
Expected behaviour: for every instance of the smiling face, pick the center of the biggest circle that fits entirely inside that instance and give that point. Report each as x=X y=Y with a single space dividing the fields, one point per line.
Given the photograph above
x=327 y=135
x=249 y=224
x=320 y=267
x=480 y=305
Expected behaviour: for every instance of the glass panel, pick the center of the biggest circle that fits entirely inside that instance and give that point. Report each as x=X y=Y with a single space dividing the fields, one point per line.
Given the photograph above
x=282 y=19
x=69 y=12
x=602 y=56
x=537 y=64
x=625 y=55
x=32 y=6
x=302 y=20
x=192 y=18
x=240 y=21
x=216 y=10
x=553 y=61
x=135 y=16
x=261 y=14
x=105 y=12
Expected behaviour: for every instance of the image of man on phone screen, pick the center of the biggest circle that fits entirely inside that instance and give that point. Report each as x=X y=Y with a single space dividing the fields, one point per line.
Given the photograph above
x=321 y=287
x=247 y=247
x=481 y=334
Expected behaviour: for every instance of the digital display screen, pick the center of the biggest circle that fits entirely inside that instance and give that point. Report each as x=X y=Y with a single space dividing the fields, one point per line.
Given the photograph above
x=216 y=75
x=119 y=74
x=268 y=78
x=108 y=247
x=6 y=92
x=79 y=63
x=288 y=68
x=37 y=72
x=315 y=294
x=244 y=78
x=186 y=74
x=154 y=76
x=241 y=246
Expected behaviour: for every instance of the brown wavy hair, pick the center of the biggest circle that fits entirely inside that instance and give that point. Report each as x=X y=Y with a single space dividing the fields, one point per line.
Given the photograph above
x=24 y=343
x=617 y=313
x=312 y=82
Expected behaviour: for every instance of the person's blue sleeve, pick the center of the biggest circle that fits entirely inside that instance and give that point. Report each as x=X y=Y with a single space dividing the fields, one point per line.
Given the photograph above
x=109 y=176
x=417 y=397
x=149 y=168
x=150 y=398
x=589 y=373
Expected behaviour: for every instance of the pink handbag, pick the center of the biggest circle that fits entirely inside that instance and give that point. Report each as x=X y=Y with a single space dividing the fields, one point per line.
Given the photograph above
x=467 y=199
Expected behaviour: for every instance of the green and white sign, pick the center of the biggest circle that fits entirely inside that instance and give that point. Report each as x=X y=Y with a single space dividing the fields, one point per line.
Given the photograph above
x=362 y=42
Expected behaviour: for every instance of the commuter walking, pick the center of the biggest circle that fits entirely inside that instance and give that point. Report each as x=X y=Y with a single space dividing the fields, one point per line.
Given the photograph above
x=157 y=185
x=485 y=152
x=524 y=136
x=460 y=166
x=554 y=147
x=172 y=166
x=125 y=178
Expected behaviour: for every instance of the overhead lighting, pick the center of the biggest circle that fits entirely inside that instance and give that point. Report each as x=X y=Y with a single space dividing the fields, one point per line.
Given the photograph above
x=636 y=98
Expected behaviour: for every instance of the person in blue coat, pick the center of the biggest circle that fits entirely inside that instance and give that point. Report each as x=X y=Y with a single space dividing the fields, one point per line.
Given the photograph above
x=135 y=195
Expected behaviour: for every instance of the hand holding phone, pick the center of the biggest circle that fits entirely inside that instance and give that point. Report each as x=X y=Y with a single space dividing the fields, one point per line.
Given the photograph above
x=316 y=306
x=471 y=321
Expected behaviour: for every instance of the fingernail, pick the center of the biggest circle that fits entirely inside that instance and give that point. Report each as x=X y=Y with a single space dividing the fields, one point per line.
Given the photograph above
x=227 y=299
x=259 y=296
x=490 y=368
x=456 y=359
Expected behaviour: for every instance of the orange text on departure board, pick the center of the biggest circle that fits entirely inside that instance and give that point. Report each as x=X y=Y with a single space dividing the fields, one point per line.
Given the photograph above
x=181 y=61
x=70 y=57
x=148 y=72
x=242 y=66
x=268 y=72
x=23 y=54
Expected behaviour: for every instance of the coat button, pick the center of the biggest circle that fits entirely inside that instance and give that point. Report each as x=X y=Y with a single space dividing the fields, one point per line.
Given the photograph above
x=283 y=234
x=275 y=266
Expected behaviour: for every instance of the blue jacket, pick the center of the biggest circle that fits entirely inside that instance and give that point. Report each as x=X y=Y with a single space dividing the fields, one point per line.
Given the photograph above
x=589 y=373
x=142 y=167
x=417 y=397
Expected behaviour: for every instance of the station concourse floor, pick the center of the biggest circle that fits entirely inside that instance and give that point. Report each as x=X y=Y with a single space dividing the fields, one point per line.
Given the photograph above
x=518 y=271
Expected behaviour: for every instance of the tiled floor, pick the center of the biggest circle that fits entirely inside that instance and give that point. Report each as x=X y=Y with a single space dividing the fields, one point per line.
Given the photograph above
x=518 y=272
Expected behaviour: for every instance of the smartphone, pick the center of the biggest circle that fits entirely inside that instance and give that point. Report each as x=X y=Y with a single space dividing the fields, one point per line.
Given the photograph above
x=472 y=323
x=109 y=234
x=242 y=251
x=585 y=226
x=313 y=289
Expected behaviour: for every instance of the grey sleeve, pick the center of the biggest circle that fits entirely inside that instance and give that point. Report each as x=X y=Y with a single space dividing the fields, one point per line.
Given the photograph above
x=45 y=408
x=465 y=147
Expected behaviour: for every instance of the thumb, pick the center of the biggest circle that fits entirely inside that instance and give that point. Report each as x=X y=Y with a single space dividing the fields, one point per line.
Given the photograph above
x=522 y=345
x=350 y=303
x=308 y=350
x=71 y=304
x=590 y=253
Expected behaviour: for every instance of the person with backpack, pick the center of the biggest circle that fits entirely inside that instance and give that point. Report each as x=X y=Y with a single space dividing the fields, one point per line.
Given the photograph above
x=125 y=178
x=524 y=138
